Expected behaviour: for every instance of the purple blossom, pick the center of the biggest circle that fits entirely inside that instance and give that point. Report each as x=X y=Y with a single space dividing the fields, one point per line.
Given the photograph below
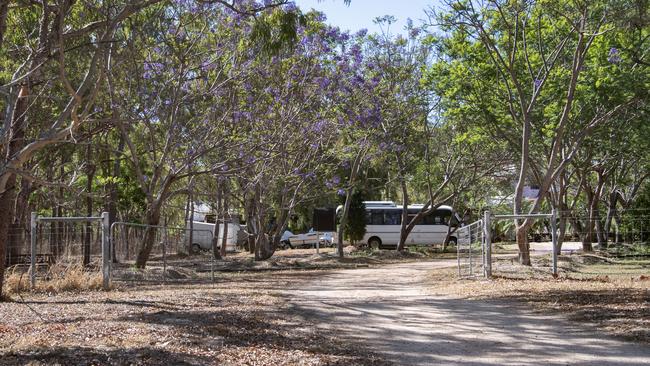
x=538 y=83
x=614 y=56
x=323 y=82
x=357 y=56
x=319 y=126
x=336 y=179
x=361 y=33
x=341 y=192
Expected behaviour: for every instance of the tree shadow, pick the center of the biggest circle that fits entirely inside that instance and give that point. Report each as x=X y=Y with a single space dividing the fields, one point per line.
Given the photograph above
x=90 y=356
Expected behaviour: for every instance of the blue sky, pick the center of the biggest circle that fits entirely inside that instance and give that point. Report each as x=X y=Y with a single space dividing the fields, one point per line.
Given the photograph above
x=360 y=13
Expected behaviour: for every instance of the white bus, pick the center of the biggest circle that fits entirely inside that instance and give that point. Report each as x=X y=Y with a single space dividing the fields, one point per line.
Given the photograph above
x=383 y=224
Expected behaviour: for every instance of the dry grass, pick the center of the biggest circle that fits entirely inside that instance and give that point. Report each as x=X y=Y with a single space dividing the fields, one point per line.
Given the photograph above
x=60 y=277
x=614 y=296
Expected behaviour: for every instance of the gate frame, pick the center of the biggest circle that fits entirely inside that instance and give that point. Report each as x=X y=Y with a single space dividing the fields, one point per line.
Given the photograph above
x=106 y=262
x=479 y=223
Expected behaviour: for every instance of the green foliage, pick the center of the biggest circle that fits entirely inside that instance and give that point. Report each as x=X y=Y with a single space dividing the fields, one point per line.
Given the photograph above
x=355 y=228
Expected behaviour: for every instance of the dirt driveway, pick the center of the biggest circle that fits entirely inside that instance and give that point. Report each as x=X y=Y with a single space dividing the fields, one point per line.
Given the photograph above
x=392 y=311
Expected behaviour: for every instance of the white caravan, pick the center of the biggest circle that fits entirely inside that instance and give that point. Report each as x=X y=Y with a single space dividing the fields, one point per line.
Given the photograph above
x=383 y=224
x=203 y=232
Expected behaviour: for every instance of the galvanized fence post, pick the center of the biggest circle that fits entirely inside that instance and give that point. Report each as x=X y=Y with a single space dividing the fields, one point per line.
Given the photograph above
x=554 y=240
x=32 y=254
x=106 y=252
x=488 y=244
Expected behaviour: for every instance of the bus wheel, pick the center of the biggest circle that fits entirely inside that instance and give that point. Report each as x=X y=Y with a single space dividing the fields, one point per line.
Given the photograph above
x=374 y=242
x=196 y=249
x=453 y=241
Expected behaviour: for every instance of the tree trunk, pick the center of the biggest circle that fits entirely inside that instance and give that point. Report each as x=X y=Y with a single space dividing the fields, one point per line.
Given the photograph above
x=356 y=165
x=617 y=221
x=90 y=173
x=562 y=231
x=114 y=193
x=403 y=233
x=611 y=210
x=60 y=227
x=250 y=225
x=7 y=197
x=522 y=244
x=225 y=220
x=17 y=239
x=343 y=222
x=446 y=241
x=153 y=219
x=215 y=236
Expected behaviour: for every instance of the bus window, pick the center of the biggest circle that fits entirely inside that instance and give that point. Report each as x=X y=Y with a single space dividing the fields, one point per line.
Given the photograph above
x=392 y=217
x=412 y=212
x=377 y=217
x=429 y=220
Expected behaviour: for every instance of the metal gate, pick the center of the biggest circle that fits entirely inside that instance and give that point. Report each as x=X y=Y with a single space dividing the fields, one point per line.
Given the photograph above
x=474 y=247
x=70 y=238
x=471 y=250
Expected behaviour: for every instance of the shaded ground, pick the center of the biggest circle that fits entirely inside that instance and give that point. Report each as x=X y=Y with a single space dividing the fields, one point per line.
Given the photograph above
x=395 y=310
x=411 y=312
x=614 y=294
x=240 y=320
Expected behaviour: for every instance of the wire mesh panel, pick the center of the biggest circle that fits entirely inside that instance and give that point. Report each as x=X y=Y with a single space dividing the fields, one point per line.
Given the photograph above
x=66 y=242
x=69 y=251
x=160 y=253
x=541 y=239
x=470 y=250
x=17 y=246
x=17 y=259
x=605 y=229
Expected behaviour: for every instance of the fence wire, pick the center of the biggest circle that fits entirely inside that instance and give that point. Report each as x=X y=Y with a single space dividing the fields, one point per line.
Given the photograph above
x=596 y=245
x=168 y=251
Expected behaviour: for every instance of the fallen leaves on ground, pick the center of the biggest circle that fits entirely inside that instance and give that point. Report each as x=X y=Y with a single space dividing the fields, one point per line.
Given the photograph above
x=615 y=297
x=239 y=320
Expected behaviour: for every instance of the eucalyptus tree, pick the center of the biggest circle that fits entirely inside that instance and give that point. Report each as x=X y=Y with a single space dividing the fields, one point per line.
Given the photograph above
x=522 y=68
x=421 y=150
x=52 y=71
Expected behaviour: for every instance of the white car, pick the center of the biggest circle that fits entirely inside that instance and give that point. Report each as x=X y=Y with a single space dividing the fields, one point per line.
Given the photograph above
x=308 y=239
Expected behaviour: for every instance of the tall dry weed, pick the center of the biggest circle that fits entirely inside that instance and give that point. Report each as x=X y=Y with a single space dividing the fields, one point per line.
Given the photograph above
x=59 y=277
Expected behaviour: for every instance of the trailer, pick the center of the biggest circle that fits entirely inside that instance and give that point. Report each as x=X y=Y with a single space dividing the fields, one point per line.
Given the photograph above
x=203 y=232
